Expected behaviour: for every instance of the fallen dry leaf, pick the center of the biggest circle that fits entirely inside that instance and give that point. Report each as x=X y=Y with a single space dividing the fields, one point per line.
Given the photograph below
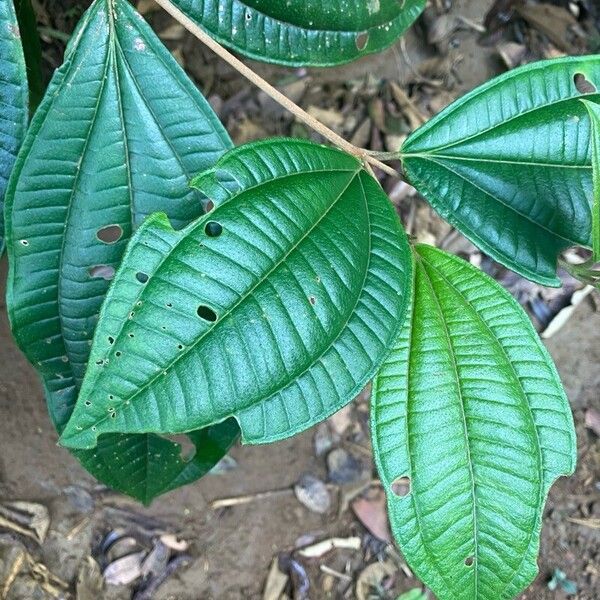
x=371 y=511
x=592 y=420
x=124 y=570
x=276 y=582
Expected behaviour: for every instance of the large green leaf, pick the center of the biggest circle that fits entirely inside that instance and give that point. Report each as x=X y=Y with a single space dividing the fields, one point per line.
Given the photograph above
x=107 y=147
x=304 y=32
x=276 y=307
x=13 y=96
x=470 y=428
x=510 y=164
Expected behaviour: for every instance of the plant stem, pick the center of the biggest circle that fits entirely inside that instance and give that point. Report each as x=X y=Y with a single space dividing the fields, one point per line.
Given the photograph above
x=273 y=92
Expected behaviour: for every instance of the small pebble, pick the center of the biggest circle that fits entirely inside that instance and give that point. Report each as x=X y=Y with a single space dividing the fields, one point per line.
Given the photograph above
x=343 y=467
x=313 y=493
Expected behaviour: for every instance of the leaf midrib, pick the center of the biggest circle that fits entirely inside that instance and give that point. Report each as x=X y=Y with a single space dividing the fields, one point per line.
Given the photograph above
x=452 y=353
x=524 y=163
x=61 y=281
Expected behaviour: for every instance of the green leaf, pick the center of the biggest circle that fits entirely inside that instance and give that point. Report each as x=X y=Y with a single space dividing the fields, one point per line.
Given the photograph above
x=470 y=428
x=304 y=32
x=275 y=308
x=510 y=164
x=32 y=50
x=107 y=147
x=13 y=97
x=146 y=466
x=594 y=112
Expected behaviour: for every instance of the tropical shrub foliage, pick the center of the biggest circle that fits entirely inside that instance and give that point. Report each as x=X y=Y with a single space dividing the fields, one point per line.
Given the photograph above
x=163 y=283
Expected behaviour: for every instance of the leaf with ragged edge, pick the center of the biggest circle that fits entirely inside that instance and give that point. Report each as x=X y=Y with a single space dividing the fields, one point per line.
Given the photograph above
x=13 y=97
x=304 y=32
x=275 y=308
x=107 y=147
x=146 y=466
x=470 y=428
x=510 y=164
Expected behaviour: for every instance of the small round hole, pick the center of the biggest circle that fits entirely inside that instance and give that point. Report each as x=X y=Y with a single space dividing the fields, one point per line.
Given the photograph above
x=105 y=272
x=583 y=84
x=469 y=561
x=213 y=229
x=131 y=335
x=180 y=347
x=24 y=242
x=111 y=340
x=141 y=277
x=207 y=313
x=118 y=353
x=312 y=300
x=110 y=234
x=362 y=39
x=401 y=487
x=88 y=403
x=169 y=305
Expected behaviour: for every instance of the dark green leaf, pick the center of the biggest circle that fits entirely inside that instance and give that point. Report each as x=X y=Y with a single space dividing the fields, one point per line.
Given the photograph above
x=13 y=97
x=304 y=32
x=32 y=50
x=107 y=147
x=146 y=466
x=470 y=429
x=510 y=164
x=276 y=308
x=594 y=112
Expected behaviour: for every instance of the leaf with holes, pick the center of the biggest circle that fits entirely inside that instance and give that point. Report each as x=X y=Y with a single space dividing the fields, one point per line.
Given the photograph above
x=510 y=164
x=470 y=428
x=276 y=308
x=13 y=96
x=146 y=466
x=106 y=148
x=304 y=32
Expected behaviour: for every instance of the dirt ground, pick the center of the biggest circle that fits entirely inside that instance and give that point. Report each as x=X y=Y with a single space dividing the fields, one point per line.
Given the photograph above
x=231 y=549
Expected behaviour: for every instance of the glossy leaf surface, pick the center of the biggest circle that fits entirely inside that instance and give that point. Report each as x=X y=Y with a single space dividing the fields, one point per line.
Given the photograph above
x=276 y=308
x=470 y=428
x=510 y=164
x=304 y=32
x=107 y=147
x=13 y=96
